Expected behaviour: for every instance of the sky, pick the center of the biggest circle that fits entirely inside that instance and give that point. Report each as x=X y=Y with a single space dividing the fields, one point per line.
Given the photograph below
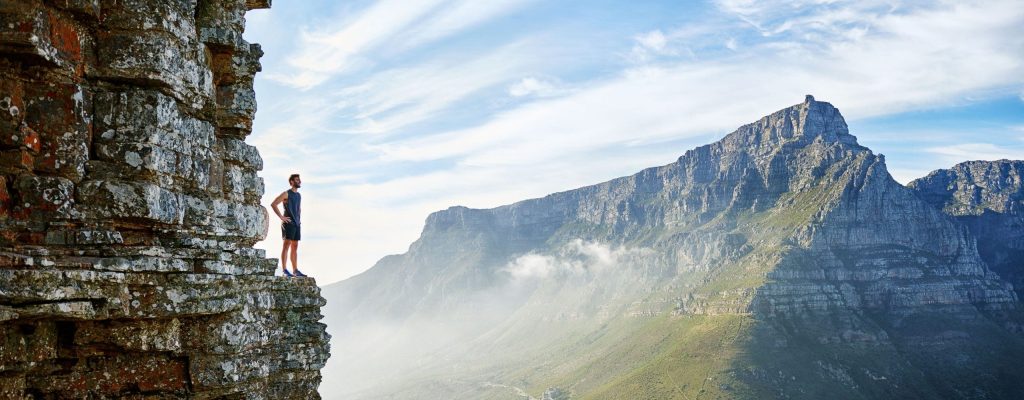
x=394 y=109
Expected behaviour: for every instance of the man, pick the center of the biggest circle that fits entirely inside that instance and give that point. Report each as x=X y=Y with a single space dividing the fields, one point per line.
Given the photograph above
x=290 y=224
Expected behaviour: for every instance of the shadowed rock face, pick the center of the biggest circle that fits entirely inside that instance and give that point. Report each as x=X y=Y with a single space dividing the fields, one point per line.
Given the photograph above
x=987 y=197
x=129 y=205
x=832 y=278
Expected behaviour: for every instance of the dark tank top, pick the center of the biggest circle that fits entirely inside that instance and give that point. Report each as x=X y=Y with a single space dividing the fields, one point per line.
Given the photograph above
x=293 y=208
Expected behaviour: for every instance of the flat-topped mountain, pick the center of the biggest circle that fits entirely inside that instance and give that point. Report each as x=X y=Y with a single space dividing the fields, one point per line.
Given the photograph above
x=781 y=261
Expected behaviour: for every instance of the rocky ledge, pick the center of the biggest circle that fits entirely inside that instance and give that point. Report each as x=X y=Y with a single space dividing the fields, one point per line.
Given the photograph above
x=129 y=205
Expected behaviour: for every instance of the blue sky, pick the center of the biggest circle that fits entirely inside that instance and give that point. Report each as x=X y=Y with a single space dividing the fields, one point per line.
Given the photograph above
x=393 y=109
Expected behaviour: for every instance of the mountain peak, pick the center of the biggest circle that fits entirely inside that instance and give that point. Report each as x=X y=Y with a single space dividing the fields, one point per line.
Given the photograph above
x=797 y=125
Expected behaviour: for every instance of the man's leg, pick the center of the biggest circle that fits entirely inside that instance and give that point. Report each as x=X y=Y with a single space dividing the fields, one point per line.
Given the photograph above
x=295 y=257
x=284 y=255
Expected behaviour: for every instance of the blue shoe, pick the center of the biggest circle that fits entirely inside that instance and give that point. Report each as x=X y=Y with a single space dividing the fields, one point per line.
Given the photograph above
x=299 y=273
x=286 y=273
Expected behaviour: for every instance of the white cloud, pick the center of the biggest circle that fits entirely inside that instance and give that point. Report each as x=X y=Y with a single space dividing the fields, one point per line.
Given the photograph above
x=913 y=61
x=496 y=184
x=533 y=87
x=731 y=44
x=535 y=266
x=650 y=45
x=325 y=53
x=808 y=17
x=632 y=110
x=288 y=138
x=458 y=16
x=395 y=98
x=577 y=257
x=976 y=151
x=654 y=41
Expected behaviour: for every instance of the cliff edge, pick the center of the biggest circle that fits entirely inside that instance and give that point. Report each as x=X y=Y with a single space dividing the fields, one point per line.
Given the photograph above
x=129 y=205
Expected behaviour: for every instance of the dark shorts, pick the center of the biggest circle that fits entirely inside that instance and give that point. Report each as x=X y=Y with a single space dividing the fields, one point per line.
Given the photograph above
x=291 y=231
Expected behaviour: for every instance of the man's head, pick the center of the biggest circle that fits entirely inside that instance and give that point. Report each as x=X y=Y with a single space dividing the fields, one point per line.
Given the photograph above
x=295 y=181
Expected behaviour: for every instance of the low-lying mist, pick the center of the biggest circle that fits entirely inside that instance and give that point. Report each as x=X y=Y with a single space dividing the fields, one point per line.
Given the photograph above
x=462 y=349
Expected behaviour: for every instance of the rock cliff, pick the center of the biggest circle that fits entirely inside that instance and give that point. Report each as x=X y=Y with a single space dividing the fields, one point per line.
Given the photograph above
x=129 y=205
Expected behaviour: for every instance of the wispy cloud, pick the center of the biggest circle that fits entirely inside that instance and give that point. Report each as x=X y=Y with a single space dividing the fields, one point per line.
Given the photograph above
x=635 y=109
x=457 y=16
x=897 y=69
x=395 y=98
x=288 y=137
x=976 y=151
x=810 y=17
x=325 y=53
x=731 y=44
x=649 y=45
x=534 y=87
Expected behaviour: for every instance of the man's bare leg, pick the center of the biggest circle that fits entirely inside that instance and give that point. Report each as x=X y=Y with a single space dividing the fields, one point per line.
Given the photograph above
x=284 y=255
x=295 y=257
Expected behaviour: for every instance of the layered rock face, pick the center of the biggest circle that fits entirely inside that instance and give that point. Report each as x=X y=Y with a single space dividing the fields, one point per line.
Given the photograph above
x=834 y=279
x=129 y=206
x=987 y=197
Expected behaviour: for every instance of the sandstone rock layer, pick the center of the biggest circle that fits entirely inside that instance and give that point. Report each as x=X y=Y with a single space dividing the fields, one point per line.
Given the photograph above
x=129 y=205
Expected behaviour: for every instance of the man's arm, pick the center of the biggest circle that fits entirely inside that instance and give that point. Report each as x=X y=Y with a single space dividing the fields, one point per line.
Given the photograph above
x=280 y=199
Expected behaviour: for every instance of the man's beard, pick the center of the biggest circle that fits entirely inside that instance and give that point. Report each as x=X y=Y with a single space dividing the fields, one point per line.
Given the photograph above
x=297 y=185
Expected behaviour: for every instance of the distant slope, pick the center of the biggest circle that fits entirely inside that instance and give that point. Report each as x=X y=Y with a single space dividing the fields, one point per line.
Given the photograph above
x=781 y=261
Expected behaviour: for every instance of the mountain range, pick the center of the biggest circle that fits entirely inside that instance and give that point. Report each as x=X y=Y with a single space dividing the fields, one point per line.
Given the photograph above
x=782 y=261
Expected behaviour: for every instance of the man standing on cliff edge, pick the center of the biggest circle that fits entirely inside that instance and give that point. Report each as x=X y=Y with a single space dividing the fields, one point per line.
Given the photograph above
x=290 y=224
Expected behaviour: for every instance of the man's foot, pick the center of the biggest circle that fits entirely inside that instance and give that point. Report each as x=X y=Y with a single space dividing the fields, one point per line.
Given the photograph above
x=286 y=273
x=298 y=273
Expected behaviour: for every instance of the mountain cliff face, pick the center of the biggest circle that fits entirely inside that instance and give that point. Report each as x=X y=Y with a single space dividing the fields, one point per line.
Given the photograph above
x=781 y=261
x=129 y=206
x=987 y=197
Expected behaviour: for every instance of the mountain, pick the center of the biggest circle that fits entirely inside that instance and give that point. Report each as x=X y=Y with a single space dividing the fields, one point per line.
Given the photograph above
x=987 y=197
x=781 y=261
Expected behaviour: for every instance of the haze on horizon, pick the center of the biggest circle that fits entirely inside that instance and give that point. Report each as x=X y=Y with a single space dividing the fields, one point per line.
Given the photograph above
x=392 y=110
